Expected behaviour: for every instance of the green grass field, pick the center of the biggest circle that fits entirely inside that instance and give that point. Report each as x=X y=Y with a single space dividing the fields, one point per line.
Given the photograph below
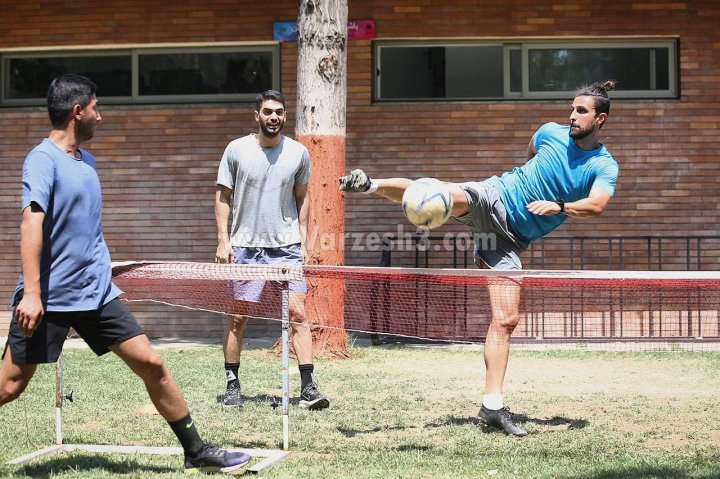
x=400 y=411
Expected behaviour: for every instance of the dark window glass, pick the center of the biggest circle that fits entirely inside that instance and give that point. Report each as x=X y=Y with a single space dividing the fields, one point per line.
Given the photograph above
x=662 y=68
x=565 y=69
x=204 y=73
x=452 y=72
x=28 y=78
x=515 y=71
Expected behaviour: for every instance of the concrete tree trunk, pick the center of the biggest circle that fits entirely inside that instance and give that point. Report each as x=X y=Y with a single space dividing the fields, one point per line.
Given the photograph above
x=320 y=126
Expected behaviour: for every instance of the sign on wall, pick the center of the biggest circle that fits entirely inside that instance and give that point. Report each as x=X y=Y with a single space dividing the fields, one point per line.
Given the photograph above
x=357 y=30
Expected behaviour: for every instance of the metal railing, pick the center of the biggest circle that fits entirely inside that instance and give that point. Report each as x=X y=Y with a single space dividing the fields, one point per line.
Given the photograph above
x=652 y=253
x=623 y=321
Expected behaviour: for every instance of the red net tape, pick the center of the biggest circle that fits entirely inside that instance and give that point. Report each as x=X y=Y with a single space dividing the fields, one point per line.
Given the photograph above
x=455 y=305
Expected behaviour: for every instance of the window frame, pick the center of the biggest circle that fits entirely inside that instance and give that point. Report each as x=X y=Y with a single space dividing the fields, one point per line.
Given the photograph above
x=134 y=52
x=524 y=45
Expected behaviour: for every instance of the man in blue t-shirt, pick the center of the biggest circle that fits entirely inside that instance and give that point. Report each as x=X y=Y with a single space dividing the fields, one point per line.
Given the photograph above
x=569 y=173
x=66 y=278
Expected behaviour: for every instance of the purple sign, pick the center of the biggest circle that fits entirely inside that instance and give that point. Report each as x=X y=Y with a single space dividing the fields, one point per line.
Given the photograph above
x=356 y=30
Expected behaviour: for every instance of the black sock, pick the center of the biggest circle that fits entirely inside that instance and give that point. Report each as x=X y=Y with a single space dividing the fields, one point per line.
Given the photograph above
x=306 y=372
x=231 y=372
x=188 y=436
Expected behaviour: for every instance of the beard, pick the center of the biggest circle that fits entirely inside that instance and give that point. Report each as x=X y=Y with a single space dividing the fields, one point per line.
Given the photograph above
x=581 y=133
x=85 y=131
x=271 y=133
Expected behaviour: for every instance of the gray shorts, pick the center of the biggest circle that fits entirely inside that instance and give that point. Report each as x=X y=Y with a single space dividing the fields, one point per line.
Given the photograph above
x=495 y=243
x=251 y=290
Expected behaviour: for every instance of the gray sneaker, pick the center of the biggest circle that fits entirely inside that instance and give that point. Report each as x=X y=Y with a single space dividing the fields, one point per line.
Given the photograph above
x=310 y=398
x=501 y=419
x=232 y=397
x=214 y=459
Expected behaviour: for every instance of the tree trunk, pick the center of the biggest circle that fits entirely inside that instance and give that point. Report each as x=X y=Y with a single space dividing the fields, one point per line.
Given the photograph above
x=320 y=126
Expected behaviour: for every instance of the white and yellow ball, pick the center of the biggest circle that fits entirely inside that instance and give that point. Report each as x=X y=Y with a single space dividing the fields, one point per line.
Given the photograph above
x=427 y=202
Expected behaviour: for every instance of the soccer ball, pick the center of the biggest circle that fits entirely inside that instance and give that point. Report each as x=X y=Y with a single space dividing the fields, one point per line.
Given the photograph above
x=427 y=202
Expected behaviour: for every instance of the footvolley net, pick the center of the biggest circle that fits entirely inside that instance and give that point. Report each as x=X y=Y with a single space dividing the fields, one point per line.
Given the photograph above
x=622 y=308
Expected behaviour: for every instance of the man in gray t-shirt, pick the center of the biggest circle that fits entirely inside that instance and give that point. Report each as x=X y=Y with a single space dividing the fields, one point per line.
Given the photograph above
x=262 y=181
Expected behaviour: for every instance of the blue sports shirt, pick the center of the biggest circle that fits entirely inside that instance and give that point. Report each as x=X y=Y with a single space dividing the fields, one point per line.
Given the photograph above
x=75 y=269
x=559 y=170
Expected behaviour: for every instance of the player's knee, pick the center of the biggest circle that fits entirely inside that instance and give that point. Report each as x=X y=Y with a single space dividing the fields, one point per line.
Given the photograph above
x=152 y=367
x=297 y=315
x=237 y=324
x=11 y=390
x=507 y=321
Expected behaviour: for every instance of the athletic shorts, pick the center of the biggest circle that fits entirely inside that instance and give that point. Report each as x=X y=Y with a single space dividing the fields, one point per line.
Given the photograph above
x=111 y=324
x=496 y=245
x=251 y=290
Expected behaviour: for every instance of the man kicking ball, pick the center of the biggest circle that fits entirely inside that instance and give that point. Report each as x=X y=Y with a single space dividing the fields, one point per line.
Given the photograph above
x=569 y=173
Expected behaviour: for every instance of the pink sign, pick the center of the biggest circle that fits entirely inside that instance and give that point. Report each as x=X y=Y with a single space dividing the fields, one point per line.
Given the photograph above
x=361 y=30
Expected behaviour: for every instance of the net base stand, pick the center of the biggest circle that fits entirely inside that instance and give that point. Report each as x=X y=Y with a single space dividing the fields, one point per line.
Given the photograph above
x=269 y=457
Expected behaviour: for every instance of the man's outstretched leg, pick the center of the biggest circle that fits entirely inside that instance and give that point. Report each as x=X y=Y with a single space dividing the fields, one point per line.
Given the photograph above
x=144 y=361
x=505 y=302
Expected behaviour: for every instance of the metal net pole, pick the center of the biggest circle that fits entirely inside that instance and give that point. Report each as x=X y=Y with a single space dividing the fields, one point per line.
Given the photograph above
x=285 y=365
x=58 y=399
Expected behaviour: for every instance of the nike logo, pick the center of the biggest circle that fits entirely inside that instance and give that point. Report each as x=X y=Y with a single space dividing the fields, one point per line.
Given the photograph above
x=188 y=425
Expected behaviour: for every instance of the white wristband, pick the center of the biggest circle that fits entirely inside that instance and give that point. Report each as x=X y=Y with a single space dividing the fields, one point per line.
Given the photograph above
x=373 y=187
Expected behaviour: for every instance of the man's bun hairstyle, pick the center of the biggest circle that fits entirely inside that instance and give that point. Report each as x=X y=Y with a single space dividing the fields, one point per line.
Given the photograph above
x=599 y=92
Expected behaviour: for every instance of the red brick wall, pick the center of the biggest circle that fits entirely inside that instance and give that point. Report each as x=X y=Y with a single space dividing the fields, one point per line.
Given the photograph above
x=158 y=163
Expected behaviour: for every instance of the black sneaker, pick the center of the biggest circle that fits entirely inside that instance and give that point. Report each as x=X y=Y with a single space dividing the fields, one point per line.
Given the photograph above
x=232 y=397
x=501 y=419
x=310 y=398
x=214 y=459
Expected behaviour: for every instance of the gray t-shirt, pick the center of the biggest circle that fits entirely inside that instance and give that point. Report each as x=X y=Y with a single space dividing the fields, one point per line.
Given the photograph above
x=265 y=213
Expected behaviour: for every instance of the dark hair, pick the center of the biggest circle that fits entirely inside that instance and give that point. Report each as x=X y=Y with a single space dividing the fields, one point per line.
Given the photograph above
x=269 y=95
x=66 y=91
x=598 y=91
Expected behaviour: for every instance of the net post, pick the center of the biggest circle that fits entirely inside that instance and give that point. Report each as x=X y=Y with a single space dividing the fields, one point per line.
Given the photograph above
x=58 y=399
x=285 y=365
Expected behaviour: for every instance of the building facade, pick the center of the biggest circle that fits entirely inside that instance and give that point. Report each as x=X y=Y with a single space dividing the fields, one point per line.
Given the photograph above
x=449 y=89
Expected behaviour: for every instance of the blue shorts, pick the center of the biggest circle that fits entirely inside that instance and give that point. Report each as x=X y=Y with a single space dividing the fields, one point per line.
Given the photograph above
x=252 y=291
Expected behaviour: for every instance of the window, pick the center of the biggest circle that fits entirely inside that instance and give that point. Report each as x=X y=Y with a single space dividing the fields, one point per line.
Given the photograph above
x=160 y=75
x=463 y=70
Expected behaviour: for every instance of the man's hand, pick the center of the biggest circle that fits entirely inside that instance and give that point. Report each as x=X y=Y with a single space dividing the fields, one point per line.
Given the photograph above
x=544 y=208
x=224 y=253
x=29 y=313
x=357 y=180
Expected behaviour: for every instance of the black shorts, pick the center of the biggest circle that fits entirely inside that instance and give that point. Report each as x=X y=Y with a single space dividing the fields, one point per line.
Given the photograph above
x=111 y=324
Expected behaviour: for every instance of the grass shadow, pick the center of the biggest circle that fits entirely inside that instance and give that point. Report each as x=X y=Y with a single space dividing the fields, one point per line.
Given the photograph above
x=99 y=463
x=412 y=448
x=553 y=421
x=448 y=421
x=272 y=401
x=519 y=418
x=354 y=432
x=643 y=472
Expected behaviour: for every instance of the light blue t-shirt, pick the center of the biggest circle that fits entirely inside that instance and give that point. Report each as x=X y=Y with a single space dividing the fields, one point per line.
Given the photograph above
x=559 y=170
x=75 y=269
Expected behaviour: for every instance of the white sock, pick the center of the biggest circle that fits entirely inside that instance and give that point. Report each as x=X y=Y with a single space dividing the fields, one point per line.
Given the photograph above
x=493 y=401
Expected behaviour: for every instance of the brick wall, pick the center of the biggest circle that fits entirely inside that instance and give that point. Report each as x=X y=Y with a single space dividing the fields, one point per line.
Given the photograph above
x=158 y=163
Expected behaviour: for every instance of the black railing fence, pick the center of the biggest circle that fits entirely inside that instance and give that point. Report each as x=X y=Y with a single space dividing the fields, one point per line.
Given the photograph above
x=652 y=253
x=629 y=319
